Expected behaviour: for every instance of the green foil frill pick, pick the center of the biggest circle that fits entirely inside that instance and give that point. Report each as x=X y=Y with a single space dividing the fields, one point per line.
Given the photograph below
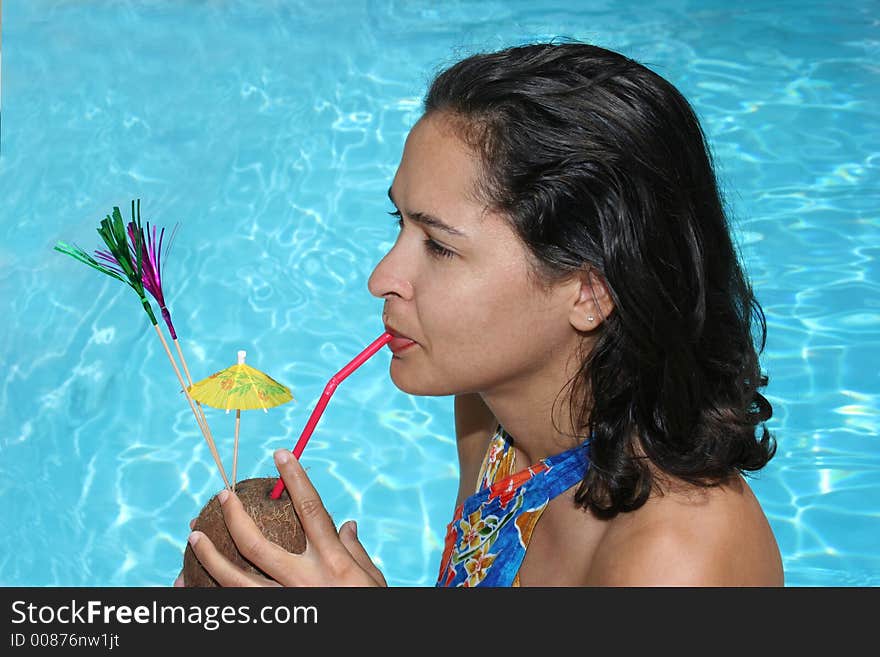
x=129 y=260
x=75 y=252
x=121 y=262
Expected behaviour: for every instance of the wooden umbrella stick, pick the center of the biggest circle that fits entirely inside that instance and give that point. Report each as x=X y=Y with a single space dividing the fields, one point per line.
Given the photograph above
x=190 y=381
x=235 y=449
x=206 y=431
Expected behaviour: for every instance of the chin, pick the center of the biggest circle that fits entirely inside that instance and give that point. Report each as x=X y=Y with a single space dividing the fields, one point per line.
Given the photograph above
x=413 y=384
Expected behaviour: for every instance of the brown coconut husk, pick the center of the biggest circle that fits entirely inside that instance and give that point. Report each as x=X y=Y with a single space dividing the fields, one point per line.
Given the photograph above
x=275 y=518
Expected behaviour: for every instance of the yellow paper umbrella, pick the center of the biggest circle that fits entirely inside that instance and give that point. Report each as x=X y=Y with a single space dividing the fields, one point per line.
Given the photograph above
x=240 y=387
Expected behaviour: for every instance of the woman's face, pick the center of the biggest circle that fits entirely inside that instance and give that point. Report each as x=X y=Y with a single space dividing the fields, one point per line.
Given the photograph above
x=479 y=322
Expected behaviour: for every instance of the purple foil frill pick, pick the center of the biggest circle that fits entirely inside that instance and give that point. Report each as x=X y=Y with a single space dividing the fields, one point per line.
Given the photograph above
x=109 y=261
x=152 y=264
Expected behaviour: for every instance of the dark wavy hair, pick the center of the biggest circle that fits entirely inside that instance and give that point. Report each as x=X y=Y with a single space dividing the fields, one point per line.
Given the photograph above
x=599 y=163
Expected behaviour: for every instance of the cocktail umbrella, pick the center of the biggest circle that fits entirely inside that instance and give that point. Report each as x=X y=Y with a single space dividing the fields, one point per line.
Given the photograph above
x=126 y=263
x=240 y=387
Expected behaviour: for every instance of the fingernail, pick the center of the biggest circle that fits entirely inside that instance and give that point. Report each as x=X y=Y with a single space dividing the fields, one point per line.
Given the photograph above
x=354 y=528
x=282 y=456
x=192 y=523
x=223 y=495
x=179 y=580
x=194 y=538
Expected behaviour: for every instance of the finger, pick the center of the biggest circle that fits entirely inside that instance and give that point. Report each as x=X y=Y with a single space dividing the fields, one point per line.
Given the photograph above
x=220 y=568
x=316 y=522
x=348 y=536
x=179 y=581
x=192 y=523
x=269 y=557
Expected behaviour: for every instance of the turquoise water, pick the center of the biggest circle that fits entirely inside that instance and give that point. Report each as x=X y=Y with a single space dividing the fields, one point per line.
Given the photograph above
x=271 y=131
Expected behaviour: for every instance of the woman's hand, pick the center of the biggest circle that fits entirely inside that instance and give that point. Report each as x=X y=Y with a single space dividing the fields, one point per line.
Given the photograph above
x=331 y=558
x=179 y=581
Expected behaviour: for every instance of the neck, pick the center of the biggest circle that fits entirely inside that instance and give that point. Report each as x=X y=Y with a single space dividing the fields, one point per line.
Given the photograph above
x=525 y=408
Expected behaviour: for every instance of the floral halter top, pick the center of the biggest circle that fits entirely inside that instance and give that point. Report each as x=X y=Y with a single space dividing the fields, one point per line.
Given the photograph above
x=490 y=531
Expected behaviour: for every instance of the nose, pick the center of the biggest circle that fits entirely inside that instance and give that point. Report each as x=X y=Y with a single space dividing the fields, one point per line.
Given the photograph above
x=390 y=277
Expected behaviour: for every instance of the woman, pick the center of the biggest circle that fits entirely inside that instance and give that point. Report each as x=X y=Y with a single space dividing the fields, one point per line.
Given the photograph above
x=565 y=269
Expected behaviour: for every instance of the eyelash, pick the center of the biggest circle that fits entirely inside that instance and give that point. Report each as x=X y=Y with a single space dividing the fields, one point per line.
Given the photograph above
x=434 y=249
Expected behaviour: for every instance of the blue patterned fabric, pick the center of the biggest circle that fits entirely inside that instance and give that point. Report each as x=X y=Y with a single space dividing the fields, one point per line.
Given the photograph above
x=490 y=531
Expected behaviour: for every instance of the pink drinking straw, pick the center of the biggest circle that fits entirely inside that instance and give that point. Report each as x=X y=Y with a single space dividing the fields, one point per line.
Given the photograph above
x=329 y=389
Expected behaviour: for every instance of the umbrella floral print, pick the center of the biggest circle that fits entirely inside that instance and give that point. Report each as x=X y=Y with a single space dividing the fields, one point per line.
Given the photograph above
x=240 y=387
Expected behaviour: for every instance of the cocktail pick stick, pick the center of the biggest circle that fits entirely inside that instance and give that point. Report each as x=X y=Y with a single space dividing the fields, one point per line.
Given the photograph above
x=206 y=431
x=235 y=448
x=137 y=263
x=146 y=245
x=329 y=389
x=190 y=382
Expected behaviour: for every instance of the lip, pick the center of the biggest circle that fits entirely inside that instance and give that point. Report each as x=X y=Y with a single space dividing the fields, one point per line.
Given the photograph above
x=398 y=342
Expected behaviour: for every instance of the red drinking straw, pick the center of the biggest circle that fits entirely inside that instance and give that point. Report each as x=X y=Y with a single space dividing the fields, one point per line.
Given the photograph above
x=329 y=389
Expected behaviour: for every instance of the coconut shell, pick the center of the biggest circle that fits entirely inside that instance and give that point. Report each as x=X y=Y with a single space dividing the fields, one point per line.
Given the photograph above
x=275 y=518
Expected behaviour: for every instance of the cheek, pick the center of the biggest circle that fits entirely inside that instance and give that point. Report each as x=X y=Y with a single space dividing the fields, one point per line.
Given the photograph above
x=453 y=319
x=477 y=323
x=456 y=312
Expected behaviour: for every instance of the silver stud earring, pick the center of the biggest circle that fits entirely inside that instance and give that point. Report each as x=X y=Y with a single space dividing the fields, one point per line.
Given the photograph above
x=589 y=318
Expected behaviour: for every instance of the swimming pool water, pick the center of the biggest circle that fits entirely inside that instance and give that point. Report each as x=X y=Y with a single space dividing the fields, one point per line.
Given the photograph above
x=271 y=131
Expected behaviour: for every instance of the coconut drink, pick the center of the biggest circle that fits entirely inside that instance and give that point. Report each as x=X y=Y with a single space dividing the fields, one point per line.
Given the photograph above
x=275 y=518
x=271 y=509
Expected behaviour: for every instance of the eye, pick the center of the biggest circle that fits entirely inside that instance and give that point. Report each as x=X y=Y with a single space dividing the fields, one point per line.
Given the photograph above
x=437 y=250
x=434 y=249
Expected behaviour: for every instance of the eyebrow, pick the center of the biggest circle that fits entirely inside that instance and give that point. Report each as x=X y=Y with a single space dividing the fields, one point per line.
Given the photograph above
x=429 y=220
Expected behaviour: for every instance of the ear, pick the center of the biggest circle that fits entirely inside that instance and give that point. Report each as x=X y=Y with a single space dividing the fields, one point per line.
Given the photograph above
x=594 y=303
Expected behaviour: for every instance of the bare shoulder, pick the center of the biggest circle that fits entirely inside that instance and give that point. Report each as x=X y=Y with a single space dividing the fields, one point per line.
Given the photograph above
x=691 y=536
